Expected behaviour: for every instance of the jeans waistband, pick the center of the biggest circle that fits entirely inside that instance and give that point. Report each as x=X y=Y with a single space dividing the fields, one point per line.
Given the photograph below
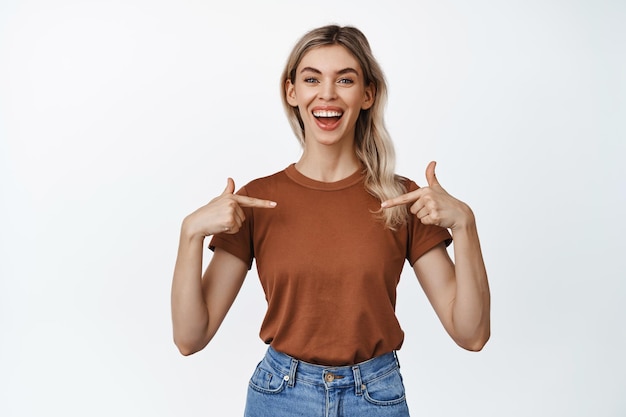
x=332 y=376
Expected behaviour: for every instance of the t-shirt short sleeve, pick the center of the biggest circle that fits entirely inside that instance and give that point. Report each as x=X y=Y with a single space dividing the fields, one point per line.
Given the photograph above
x=423 y=238
x=240 y=243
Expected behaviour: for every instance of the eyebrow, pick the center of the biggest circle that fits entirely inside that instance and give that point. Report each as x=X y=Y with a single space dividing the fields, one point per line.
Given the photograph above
x=347 y=70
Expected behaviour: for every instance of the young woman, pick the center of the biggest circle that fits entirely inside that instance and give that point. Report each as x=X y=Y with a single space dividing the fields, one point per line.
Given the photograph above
x=330 y=235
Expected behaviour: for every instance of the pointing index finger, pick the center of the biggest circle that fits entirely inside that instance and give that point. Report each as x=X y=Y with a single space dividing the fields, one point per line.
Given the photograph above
x=391 y=203
x=245 y=201
x=402 y=199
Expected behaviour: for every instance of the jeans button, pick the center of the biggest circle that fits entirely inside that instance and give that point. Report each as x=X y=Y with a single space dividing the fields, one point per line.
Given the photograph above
x=330 y=377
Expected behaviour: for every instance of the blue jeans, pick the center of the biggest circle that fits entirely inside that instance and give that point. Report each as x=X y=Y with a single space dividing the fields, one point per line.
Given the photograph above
x=282 y=386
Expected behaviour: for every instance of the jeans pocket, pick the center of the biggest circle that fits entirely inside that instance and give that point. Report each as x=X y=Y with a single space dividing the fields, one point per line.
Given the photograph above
x=266 y=380
x=386 y=390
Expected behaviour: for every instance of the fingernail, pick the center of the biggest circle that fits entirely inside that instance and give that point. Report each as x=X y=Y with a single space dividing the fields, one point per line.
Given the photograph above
x=272 y=204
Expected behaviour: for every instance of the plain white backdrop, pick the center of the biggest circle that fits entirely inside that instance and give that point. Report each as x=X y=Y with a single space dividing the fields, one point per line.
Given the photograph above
x=118 y=118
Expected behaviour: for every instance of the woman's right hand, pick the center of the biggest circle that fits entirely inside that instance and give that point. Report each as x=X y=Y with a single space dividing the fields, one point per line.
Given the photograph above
x=223 y=214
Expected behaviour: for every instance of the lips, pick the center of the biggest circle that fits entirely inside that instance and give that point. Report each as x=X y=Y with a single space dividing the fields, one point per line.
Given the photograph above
x=327 y=119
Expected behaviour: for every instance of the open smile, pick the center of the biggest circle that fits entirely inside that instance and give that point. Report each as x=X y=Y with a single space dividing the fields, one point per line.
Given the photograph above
x=327 y=119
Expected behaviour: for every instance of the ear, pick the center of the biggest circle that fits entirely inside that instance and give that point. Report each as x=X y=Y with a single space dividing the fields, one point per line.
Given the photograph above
x=369 y=96
x=290 y=93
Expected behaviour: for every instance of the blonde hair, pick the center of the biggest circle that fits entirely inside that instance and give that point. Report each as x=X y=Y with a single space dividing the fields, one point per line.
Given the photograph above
x=374 y=147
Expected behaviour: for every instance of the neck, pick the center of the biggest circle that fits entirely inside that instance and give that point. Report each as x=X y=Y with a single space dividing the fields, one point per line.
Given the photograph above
x=328 y=164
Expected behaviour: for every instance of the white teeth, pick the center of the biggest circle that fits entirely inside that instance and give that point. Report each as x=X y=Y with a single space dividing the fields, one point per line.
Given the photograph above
x=327 y=113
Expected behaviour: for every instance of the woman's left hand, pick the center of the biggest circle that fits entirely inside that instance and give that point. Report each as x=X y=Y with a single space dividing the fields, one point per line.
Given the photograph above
x=433 y=205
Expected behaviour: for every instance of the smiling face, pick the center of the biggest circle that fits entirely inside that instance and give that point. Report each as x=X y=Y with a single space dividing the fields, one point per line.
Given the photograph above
x=329 y=90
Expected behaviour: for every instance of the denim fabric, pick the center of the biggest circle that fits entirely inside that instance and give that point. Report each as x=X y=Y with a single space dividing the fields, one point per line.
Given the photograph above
x=282 y=386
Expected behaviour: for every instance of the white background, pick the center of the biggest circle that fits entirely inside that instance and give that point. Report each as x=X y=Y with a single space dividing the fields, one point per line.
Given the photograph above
x=118 y=118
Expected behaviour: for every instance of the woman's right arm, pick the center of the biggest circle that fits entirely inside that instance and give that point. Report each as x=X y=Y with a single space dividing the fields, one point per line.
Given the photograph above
x=200 y=302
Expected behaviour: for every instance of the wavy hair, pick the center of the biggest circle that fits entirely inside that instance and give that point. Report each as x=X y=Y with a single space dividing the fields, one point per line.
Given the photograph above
x=374 y=147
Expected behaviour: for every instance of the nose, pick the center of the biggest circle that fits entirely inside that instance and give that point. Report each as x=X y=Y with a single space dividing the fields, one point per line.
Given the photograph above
x=328 y=91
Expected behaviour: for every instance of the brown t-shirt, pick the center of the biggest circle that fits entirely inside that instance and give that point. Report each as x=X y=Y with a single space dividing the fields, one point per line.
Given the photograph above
x=328 y=266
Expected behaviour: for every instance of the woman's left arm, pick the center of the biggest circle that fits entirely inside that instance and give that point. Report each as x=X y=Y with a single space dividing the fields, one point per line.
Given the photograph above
x=459 y=290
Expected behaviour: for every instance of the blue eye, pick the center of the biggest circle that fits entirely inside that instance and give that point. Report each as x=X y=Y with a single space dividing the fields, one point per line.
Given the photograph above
x=310 y=80
x=345 y=81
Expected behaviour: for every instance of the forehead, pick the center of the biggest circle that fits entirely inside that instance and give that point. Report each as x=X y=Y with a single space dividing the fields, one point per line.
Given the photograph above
x=329 y=58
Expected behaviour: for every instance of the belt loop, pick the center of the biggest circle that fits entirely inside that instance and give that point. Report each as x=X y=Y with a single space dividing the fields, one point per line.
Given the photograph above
x=292 y=373
x=358 y=384
x=395 y=355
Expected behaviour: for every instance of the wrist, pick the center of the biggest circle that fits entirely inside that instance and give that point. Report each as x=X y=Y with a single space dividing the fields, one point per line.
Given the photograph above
x=190 y=232
x=467 y=220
